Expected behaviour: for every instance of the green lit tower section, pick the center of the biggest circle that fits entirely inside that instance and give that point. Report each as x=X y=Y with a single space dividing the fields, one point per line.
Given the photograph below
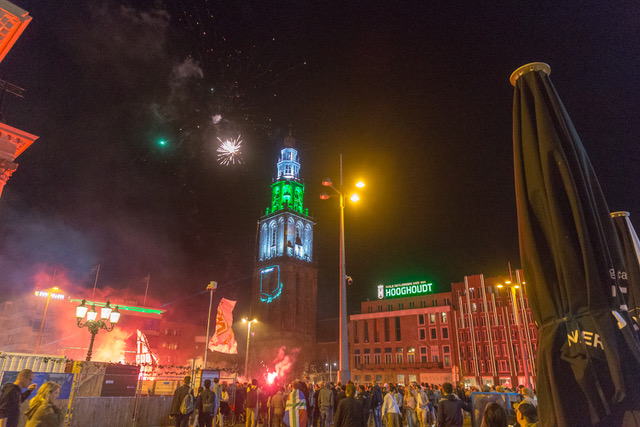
x=285 y=277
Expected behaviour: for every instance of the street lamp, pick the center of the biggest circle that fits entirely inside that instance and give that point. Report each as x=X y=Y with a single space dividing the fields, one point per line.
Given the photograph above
x=107 y=321
x=49 y=293
x=344 y=374
x=521 y=336
x=246 y=356
x=329 y=365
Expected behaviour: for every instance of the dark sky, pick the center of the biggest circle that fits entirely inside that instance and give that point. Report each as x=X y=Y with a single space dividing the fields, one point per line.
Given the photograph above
x=415 y=95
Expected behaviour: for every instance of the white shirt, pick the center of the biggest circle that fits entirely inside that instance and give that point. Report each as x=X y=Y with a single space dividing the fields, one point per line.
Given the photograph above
x=389 y=405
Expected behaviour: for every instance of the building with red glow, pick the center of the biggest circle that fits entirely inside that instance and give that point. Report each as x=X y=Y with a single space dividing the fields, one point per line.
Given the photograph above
x=406 y=335
x=495 y=333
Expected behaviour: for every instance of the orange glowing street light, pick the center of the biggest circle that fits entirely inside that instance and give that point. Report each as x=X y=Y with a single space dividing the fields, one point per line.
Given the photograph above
x=344 y=373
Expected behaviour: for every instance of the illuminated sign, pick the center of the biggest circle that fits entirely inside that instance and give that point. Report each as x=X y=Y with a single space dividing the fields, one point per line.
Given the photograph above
x=120 y=307
x=400 y=290
x=270 y=284
x=45 y=294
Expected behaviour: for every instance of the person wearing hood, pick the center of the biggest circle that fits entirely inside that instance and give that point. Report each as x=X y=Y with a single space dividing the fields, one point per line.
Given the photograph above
x=42 y=410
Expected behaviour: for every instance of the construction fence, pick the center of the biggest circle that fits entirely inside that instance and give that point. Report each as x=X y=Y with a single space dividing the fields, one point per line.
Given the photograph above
x=101 y=394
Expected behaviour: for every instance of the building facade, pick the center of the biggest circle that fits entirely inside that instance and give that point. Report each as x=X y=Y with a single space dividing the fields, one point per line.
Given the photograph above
x=495 y=332
x=406 y=335
x=285 y=277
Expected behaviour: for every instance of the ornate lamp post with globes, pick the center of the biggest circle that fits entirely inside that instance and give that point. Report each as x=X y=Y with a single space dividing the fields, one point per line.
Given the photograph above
x=107 y=321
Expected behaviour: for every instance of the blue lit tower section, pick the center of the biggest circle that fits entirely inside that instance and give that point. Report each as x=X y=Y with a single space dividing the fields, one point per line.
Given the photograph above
x=285 y=275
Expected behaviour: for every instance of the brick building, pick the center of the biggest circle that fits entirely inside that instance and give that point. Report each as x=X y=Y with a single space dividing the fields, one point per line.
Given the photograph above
x=496 y=335
x=406 y=335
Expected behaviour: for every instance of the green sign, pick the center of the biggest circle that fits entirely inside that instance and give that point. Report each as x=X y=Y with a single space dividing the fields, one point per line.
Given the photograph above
x=401 y=290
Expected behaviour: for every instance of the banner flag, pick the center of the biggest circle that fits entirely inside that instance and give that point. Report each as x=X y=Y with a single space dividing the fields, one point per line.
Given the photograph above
x=224 y=341
x=145 y=357
x=296 y=410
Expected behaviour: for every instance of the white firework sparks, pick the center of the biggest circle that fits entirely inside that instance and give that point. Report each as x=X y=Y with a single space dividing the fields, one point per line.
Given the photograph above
x=229 y=151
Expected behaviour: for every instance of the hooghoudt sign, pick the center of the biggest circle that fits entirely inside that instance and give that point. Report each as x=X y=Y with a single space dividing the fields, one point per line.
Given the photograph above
x=400 y=290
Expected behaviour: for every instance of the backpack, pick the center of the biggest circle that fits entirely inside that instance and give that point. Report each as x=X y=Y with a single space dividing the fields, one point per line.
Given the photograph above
x=186 y=407
x=208 y=398
x=252 y=398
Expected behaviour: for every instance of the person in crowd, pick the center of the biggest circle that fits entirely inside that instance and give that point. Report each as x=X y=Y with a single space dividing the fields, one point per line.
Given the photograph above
x=276 y=406
x=238 y=404
x=316 y=408
x=13 y=396
x=43 y=411
x=205 y=405
x=182 y=420
x=526 y=414
x=326 y=402
x=194 y=419
x=251 y=403
x=494 y=416
x=349 y=411
x=422 y=406
x=390 y=408
x=529 y=397
x=409 y=405
x=217 y=390
x=376 y=403
x=364 y=397
x=449 y=408
x=341 y=394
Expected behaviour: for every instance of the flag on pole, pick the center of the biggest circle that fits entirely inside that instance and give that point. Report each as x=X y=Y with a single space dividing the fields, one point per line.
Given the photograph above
x=224 y=341
x=295 y=414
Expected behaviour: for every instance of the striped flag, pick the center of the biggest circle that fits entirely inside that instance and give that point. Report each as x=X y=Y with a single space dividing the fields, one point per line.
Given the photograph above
x=295 y=414
x=224 y=341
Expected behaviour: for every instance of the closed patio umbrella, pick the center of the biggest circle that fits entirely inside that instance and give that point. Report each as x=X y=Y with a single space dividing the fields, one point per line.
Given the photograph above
x=631 y=252
x=588 y=355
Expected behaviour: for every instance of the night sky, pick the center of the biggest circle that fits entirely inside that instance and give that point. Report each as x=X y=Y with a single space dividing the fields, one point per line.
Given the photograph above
x=416 y=97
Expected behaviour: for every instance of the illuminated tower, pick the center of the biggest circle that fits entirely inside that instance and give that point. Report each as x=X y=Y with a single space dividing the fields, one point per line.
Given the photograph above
x=285 y=278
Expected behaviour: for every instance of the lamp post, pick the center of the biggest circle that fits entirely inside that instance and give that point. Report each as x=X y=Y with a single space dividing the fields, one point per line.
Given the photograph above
x=50 y=292
x=246 y=356
x=344 y=374
x=329 y=365
x=212 y=286
x=107 y=321
x=514 y=300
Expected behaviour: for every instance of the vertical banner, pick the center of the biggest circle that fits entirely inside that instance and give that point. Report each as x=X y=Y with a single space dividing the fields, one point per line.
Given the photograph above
x=224 y=341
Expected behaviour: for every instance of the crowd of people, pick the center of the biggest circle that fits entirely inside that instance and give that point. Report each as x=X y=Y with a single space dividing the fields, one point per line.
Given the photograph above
x=325 y=404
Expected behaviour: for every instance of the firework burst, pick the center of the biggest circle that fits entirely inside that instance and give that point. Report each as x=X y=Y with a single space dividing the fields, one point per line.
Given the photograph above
x=229 y=151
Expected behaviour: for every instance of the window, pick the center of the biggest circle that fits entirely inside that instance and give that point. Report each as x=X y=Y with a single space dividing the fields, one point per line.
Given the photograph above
x=387 y=333
x=412 y=304
x=376 y=335
x=365 y=357
x=366 y=331
x=379 y=308
x=390 y=307
x=423 y=354
x=398 y=354
x=432 y=318
x=355 y=332
x=434 y=303
x=420 y=319
x=411 y=355
x=447 y=301
x=387 y=355
x=445 y=333
x=401 y=306
x=423 y=304
x=356 y=356
x=423 y=334
x=369 y=309
x=376 y=358
x=398 y=330
x=434 y=333
x=443 y=317
x=447 y=360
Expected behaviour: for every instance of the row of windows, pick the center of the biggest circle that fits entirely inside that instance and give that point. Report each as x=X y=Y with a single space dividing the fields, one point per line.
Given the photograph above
x=497 y=335
x=399 y=356
x=433 y=333
x=433 y=318
x=397 y=332
x=410 y=305
x=499 y=350
x=503 y=366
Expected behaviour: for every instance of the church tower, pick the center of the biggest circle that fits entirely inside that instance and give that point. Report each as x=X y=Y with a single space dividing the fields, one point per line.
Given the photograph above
x=285 y=276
